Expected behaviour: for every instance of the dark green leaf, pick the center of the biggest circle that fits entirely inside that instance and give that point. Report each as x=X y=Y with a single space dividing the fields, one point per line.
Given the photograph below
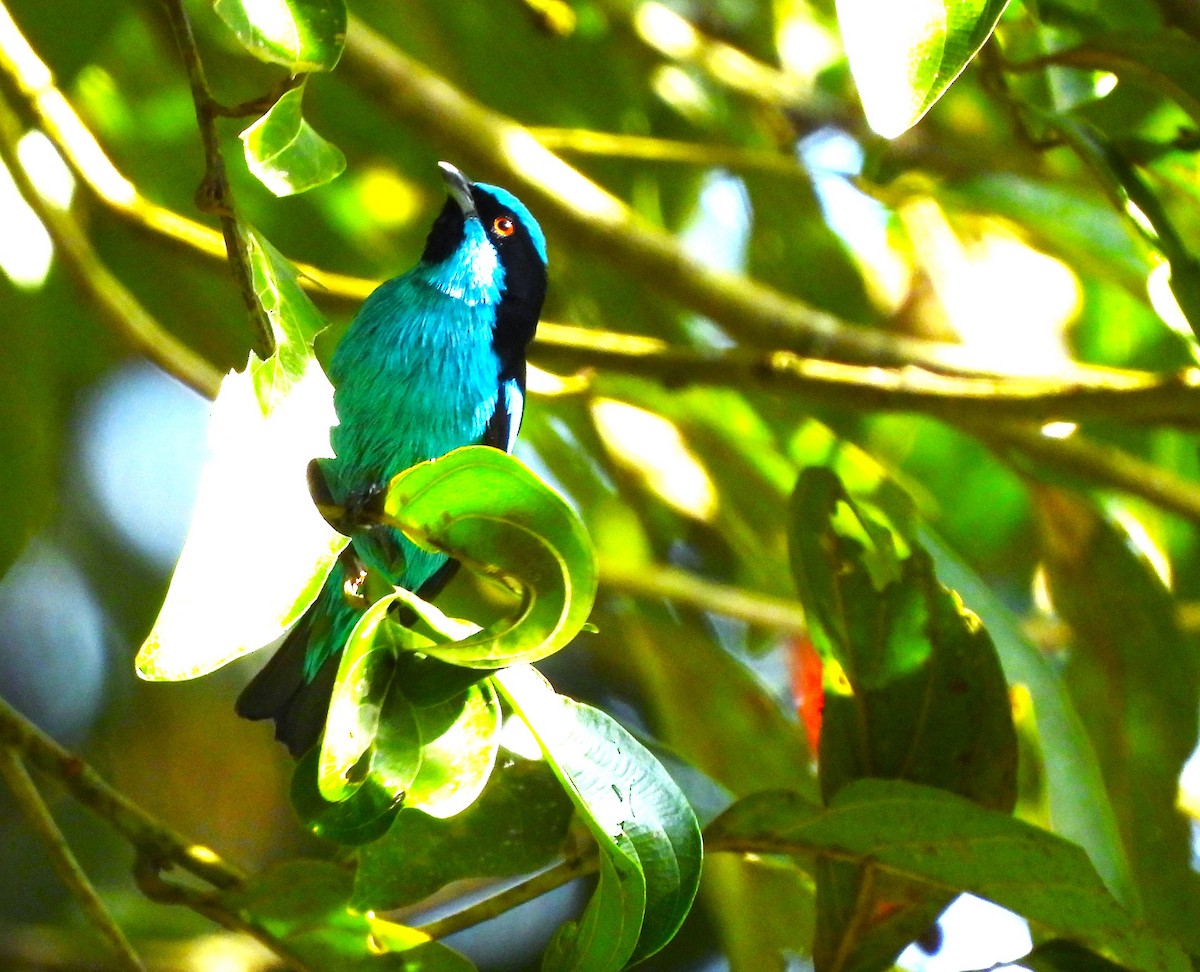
x=650 y=847
x=303 y=905
x=484 y=508
x=914 y=689
x=285 y=153
x=517 y=825
x=302 y=35
x=1060 y=956
x=1136 y=682
x=930 y=837
x=362 y=817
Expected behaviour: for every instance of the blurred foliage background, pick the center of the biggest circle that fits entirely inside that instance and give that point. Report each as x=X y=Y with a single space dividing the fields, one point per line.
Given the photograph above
x=1031 y=238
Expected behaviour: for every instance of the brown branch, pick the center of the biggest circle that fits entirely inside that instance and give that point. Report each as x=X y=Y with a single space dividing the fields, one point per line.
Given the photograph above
x=151 y=837
x=113 y=301
x=1082 y=394
x=214 y=194
x=487 y=142
x=38 y=816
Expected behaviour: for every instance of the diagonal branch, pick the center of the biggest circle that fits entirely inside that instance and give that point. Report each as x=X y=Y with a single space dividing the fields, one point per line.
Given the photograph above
x=112 y=300
x=37 y=814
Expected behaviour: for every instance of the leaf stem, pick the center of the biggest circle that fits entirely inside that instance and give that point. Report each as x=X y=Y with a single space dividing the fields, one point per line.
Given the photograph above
x=38 y=816
x=541 y=883
x=214 y=194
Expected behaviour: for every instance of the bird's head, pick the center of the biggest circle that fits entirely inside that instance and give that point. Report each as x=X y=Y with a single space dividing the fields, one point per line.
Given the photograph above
x=486 y=247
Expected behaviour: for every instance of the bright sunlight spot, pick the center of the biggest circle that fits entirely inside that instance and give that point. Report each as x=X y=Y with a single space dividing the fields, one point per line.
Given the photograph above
x=1059 y=430
x=1141 y=540
x=25 y=247
x=46 y=168
x=652 y=449
x=679 y=90
x=1162 y=299
x=1005 y=299
x=806 y=47
x=389 y=200
x=665 y=30
x=977 y=935
x=516 y=737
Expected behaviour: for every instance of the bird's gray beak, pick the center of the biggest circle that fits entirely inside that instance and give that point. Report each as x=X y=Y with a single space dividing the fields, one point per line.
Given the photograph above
x=459 y=187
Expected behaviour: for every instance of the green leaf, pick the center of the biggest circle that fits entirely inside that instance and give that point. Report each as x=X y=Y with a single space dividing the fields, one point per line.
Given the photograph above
x=257 y=546
x=285 y=153
x=364 y=704
x=295 y=324
x=484 y=508
x=517 y=825
x=930 y=837
x=360 y=818
x=303 y=905
x=650 y=847
x=913 y=686
x=459 y=742
x=302 y=35
x=905 y=55
x=254 y=511
x=1136 y=683
x=1080 y=809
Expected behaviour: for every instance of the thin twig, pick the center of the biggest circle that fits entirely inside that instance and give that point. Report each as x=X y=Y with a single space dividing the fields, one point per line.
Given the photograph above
x=214 y=194
x=38 y=816
x=150 y=836
x=541 y=883
x=682 y=587
x=114 y=302
x=1099 y=464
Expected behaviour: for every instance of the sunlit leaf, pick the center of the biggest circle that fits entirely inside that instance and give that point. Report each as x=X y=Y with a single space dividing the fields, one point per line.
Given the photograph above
x=295 y=323
x=285 y=153
x=649 y=840
x=303 y=905
x=1080 y=809
x=905 y=55
x=361 y=695
x=257 y=546
x=302 y=35
x=949 y=844
x=257 y=552
x=484 y=508
x=517 y=824
x=459 y=741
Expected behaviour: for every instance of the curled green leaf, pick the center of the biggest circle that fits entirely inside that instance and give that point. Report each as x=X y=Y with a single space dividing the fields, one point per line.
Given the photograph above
x=487 y=510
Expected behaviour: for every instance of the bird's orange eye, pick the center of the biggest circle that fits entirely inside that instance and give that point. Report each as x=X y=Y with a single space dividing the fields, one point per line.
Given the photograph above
x=503 y=226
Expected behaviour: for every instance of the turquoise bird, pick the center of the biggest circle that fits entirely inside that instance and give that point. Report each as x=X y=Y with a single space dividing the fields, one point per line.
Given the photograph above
x=434 y=360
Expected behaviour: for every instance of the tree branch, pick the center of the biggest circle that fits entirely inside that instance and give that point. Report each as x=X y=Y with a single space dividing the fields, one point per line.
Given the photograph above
x=37 y=814
x=491 y=907
x=214 y=194
x=152 y=838
x=115 y=304
x=488 y=142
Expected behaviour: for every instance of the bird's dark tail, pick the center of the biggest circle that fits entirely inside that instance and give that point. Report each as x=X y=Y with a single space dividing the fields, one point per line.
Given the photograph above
x=288 y=690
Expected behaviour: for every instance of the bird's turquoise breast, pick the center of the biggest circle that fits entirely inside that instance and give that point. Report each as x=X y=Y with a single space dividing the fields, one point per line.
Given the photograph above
x=414 y=377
